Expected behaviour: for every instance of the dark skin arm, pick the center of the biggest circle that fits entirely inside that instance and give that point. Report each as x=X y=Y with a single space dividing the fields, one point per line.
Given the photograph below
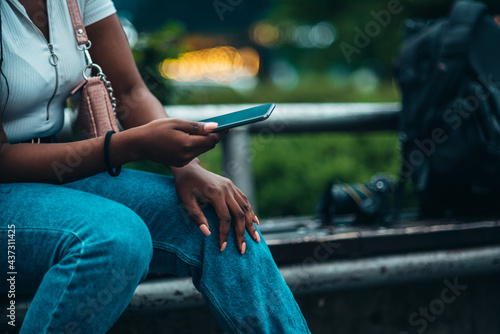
x=182 y=142
x=149 y=135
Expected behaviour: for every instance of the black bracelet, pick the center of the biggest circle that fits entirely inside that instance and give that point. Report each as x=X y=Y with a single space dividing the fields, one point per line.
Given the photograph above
x=107 y=160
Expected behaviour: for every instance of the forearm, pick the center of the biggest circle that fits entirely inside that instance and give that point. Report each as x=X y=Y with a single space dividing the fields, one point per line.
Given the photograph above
x=62 y=163
x=110 y=49
x=138 y=107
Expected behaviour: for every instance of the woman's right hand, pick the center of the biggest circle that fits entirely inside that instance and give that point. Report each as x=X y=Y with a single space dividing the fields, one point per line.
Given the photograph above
x=175 y=142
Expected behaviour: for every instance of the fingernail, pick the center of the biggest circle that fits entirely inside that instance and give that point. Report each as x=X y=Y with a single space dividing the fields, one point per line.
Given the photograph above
x=243 y=248
x=223 y=246
x=257 y=220
x=257 y=236
x=205 y=229
x=210 y=126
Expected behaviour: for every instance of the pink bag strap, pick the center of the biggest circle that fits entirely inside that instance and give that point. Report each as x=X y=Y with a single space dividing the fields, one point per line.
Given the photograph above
x=76 y=19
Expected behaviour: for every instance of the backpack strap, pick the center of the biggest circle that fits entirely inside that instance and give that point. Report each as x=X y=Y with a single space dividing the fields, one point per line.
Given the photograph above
x=453 y=55
x=460 y=27
x=485 y=51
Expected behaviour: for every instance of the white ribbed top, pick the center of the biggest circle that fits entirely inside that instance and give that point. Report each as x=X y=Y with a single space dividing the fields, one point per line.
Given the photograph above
x=38 y=88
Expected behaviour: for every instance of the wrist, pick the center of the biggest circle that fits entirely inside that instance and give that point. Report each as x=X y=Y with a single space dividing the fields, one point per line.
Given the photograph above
x=126 y=147
x=193 y=164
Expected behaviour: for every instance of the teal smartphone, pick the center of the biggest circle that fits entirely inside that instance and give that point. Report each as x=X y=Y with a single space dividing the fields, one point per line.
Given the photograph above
x=242 y=117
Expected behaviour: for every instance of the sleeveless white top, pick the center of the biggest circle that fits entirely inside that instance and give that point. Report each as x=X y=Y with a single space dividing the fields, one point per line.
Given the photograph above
x=41 y=74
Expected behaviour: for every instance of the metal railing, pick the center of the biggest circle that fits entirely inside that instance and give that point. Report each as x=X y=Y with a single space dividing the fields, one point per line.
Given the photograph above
x=289 y=118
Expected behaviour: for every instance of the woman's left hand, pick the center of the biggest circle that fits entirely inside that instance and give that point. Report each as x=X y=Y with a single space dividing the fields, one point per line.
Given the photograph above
x=195 y=185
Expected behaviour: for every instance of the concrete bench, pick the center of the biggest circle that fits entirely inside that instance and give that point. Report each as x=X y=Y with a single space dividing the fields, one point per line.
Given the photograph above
x=316 y=258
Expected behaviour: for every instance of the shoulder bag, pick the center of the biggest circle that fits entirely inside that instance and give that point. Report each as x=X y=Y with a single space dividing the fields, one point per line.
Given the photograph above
x=96 y=109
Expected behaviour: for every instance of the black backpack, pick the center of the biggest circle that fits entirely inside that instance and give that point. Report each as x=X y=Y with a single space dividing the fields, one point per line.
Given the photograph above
x=449 y=75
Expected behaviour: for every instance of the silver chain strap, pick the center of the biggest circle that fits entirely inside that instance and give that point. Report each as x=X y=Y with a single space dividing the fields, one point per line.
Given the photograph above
x=90 y=65
x=107 y=83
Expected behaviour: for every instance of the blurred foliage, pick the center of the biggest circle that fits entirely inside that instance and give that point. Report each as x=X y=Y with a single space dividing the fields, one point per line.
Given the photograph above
x=291 y=172
x=151 y=49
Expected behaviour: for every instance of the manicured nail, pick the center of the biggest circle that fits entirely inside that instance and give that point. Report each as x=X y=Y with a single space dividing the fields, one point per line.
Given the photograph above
x=205 y=229
x=223 y=246
x=257 y=236
x=243 y=248
x=211 y=126
x=257 y=220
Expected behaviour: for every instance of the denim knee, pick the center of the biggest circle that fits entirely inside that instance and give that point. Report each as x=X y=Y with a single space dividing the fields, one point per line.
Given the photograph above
x=123 y=241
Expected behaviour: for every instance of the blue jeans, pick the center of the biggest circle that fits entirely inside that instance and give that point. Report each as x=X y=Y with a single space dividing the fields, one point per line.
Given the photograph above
x=84 y=247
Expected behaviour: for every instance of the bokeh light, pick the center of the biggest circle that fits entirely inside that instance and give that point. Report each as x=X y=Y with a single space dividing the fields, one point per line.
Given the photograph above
x=265 y=34
x=318 y=36
x=222 y=65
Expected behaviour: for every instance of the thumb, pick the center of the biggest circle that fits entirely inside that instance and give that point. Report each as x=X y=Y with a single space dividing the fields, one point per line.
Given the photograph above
x=210 y=126
x=197 y=128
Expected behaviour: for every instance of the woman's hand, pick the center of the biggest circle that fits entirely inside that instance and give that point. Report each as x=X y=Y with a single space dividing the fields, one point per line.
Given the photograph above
x=196 y=185
x=175 y=142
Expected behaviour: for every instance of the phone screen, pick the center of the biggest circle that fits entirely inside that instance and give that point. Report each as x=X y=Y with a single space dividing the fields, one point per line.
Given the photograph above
x=242 y=117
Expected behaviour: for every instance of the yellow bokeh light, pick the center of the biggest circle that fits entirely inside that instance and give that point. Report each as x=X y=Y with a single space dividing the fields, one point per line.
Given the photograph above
x=265 y=34
x=222 y=65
